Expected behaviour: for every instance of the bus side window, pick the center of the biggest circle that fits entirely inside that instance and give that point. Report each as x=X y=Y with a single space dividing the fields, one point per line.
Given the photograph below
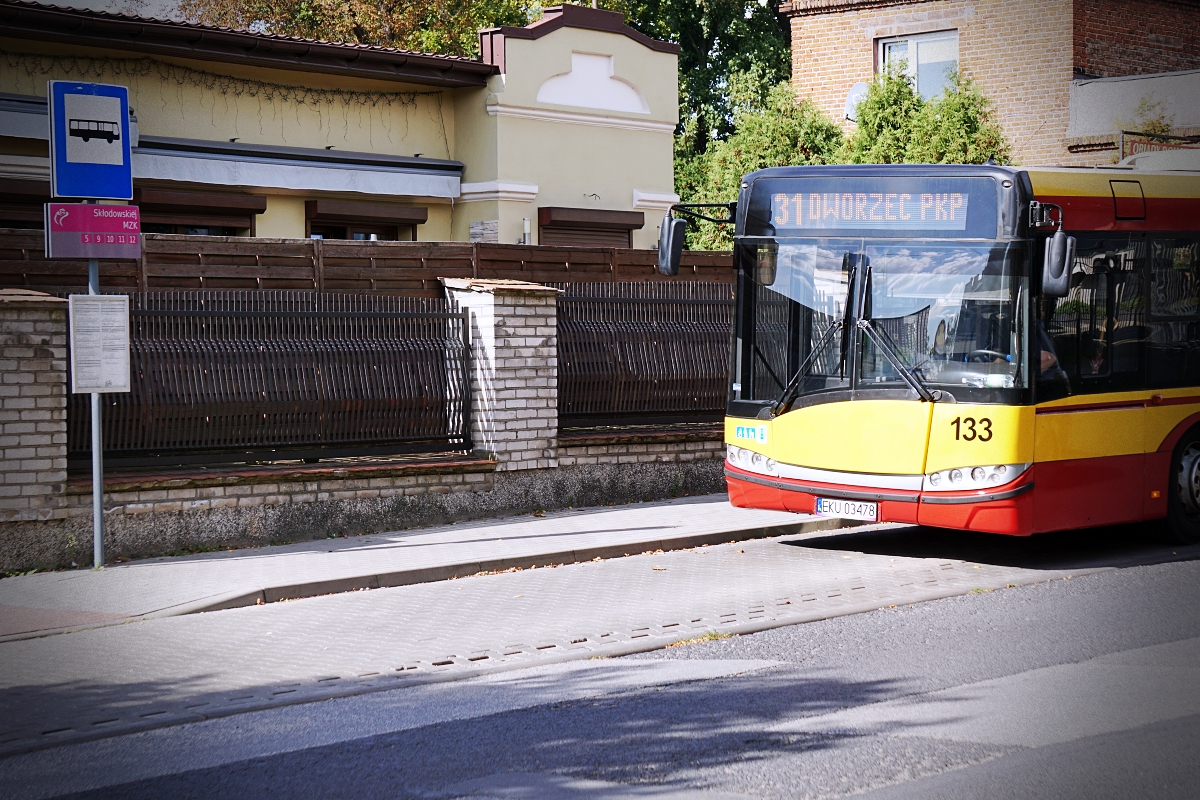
x=1173 y=352
x=1098 y=330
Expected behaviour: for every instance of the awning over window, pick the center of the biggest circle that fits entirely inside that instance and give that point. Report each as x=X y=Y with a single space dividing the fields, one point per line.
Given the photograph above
x=198 y=209
x=376 y=213
x=234 y=164
x=587 y=227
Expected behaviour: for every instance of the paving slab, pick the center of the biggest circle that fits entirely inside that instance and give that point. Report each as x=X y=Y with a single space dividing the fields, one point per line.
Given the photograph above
x=169 y=671
x=55 y=602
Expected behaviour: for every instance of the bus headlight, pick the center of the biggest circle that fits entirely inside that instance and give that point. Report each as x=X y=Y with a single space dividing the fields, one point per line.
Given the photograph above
x=963 y=479
x=748 y=459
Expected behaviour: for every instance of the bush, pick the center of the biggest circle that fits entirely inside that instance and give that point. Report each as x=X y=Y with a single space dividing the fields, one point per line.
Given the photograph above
x=957 y=128
x=885 y=120
x=895 y=126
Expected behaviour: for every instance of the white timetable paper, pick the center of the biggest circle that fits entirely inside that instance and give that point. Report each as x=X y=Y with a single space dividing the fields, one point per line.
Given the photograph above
x=99 y=343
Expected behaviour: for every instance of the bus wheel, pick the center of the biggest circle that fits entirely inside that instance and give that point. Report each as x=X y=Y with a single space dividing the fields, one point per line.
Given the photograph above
x=1183 y=504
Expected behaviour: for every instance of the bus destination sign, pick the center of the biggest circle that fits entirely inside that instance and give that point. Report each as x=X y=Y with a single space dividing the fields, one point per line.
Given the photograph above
x=946 y=211
x=920 y=204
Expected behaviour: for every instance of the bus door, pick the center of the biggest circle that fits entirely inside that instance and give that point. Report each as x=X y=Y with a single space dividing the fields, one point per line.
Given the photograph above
x=1172 y=357
x=1090 y=353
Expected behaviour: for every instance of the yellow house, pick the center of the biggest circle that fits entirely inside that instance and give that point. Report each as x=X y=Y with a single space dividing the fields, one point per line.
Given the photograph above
x=560 y=134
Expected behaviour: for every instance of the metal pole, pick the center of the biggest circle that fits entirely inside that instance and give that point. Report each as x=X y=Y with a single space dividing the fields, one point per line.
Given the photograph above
x=97 y=447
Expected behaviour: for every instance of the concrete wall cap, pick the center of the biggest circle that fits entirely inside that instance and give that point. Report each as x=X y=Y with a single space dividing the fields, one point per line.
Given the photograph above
x=496 y=286
x=27 y=296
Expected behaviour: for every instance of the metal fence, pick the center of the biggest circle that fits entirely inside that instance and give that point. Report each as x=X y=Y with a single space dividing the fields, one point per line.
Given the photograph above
x=236 y=376
x=641 y=353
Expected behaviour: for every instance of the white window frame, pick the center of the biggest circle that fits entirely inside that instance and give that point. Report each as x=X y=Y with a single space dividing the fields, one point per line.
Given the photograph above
x=912 y=41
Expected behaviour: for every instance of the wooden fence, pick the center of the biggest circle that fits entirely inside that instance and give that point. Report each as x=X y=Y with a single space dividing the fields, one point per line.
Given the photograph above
x=397 y=268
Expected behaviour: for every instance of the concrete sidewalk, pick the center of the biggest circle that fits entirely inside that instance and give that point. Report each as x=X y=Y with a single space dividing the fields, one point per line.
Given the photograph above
x=47 y=603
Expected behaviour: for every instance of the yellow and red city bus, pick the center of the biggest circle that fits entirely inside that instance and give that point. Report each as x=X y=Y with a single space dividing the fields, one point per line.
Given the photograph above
x=926 y=344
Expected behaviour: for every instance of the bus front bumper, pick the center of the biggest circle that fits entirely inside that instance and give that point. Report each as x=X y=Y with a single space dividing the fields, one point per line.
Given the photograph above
x=1002 y=509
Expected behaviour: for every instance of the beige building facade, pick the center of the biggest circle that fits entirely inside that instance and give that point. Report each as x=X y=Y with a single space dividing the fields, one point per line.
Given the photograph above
x=1029 y=60
x=566 y=123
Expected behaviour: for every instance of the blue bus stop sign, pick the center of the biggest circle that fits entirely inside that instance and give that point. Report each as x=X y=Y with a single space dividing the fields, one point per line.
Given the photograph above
x=89 y=141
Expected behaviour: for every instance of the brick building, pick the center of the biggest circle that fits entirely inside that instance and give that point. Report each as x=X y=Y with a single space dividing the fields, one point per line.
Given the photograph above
x=1028 y=59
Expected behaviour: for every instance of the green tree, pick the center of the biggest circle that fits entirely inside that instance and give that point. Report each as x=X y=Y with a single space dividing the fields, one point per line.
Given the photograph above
x=885 y=120
x=895 y=126
x=718 y=41
x=780 y=131
x=433 y=26
x=957 y=127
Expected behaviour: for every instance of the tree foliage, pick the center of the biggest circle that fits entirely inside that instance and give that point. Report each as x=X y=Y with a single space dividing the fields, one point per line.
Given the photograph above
x=721 y=42
x=895 y=126
x=777 y=132
x=432 y=26
x=885 y=119
x=957 y=127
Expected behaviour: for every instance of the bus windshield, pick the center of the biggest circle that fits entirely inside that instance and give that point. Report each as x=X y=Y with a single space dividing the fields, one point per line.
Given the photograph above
x=948 y=313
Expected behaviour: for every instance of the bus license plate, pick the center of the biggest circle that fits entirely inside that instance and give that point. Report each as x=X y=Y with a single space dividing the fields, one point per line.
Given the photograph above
x=847 y=509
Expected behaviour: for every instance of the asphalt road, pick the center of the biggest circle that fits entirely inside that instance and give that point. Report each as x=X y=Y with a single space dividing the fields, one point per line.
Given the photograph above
x=1080 y=687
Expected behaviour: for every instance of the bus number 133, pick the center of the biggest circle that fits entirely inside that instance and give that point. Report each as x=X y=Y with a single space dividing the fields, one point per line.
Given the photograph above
x=968 y=429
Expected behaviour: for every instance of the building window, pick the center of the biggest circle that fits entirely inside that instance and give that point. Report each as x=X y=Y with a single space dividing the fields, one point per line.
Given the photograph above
x=362 y=233
x=363 y=222
x=928 y=58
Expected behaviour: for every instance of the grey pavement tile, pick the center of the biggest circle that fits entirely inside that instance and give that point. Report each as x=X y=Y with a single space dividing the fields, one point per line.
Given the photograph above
x=178 y=584
x=152 y=673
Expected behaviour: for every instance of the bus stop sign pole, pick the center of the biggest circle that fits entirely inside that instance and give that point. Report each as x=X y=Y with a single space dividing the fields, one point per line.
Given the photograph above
x=97 y=446
x=91 y=157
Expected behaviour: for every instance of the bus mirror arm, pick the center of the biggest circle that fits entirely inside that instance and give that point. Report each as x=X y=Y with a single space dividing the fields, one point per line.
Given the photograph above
x=673 y=231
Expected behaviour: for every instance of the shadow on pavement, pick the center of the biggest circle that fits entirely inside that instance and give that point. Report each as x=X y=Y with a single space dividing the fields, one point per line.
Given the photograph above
x=647 y=737
x=1091 y=548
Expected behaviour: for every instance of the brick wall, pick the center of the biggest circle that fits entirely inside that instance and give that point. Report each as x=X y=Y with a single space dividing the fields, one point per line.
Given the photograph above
x=45 y=519
x=514 y=382
x=1109 y=44
x=33 y=409
x=676 y=446
x=1021 y=56
x=248 y=487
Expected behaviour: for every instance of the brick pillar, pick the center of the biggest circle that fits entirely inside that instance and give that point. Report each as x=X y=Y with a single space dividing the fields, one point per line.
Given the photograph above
x=33 y=405
x=514 y=380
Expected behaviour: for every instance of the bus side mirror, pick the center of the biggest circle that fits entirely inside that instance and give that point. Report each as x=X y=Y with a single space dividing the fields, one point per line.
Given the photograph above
x=1056 y=269
x=670 y=244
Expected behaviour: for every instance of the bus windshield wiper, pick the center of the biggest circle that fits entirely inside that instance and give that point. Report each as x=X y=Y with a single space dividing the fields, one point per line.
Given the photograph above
x=793 y=385
x=789 y=391
x=881 y=342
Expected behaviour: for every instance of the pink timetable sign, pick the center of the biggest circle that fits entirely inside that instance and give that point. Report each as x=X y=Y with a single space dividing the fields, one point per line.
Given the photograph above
x=80 y=230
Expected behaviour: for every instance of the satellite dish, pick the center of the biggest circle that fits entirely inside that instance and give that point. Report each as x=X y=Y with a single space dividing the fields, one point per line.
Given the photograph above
x=857 y=92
